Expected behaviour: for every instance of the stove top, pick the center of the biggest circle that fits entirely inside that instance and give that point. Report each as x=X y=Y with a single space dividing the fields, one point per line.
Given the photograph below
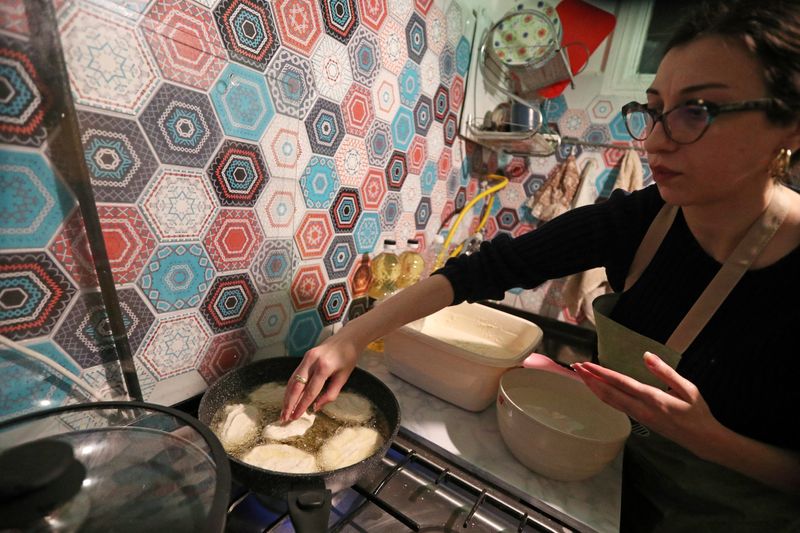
x=415 y=488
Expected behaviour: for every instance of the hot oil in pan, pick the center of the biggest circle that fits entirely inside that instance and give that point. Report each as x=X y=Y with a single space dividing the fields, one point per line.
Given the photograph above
x=324 y=427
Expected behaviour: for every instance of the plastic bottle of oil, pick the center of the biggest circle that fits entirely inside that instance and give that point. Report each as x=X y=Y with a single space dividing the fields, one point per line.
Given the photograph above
x=412 y=265
x=385 y=268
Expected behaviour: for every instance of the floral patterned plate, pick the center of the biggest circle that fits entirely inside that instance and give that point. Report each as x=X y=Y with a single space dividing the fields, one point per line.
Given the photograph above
x=528 y=38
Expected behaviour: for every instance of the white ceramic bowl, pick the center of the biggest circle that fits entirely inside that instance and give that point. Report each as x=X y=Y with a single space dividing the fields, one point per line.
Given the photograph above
x=556 y=426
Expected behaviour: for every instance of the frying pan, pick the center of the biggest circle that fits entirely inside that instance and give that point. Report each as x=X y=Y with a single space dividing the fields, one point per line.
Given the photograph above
x=308 y=495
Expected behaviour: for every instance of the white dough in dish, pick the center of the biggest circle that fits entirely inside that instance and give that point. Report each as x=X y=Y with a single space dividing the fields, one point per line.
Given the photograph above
x=349 y=407
x=239 y=426
x=268 y=394
x=281 y=458
x=349 y=446
x=295 y=428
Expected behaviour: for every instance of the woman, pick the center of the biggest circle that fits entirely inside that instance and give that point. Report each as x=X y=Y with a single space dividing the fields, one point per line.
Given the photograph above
x=704 y=266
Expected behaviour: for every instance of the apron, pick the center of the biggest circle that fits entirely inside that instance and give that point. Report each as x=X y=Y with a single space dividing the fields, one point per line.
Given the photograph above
x=666 y=487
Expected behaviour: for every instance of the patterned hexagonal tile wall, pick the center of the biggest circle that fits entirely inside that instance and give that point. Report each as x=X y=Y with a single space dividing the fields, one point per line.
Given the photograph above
x=325 y=127
x=233 y=239
x=313 y=235
x=291 y=83
x=307 y=286
x=299 y=24
x=365 y=59
x=304 y=330
x=340 y=18
x=416 y=41
x=345 y=210
x=340 y=256
x=226 y=352
x=174 y=346
x=333 y=304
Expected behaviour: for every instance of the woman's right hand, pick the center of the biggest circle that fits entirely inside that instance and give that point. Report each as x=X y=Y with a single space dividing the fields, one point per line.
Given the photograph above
x=327 y=367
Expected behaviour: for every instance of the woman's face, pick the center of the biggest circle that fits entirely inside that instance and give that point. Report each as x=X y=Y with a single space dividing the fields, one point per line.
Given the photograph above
x=731 y=160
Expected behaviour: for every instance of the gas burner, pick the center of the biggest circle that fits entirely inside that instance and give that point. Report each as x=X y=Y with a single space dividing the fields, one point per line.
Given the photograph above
x=415 y=489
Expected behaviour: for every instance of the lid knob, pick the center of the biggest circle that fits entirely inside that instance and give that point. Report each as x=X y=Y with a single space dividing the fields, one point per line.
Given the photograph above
x=38 y=477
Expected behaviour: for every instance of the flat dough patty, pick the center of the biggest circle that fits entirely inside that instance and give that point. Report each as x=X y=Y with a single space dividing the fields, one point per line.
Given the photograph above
x=349 y=446
x=349 y=407
x=281 y=458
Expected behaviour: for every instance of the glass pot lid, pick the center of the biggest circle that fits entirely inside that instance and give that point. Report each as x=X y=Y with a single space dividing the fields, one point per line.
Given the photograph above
x=111 y=466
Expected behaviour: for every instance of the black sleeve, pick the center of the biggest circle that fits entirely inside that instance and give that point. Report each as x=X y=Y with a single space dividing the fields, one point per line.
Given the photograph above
x=600 y=235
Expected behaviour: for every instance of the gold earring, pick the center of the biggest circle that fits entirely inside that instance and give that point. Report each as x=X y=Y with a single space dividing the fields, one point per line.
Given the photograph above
x=780 y=165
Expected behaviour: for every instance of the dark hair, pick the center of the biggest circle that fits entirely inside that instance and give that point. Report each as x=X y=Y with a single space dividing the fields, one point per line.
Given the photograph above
x=770 y=29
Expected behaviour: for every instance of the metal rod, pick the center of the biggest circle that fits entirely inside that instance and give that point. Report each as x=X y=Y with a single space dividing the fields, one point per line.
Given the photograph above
x=408 y=522
x=578 y=142
x=67 y=157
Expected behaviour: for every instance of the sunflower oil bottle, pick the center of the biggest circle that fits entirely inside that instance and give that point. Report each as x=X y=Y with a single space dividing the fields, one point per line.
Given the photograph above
x=385 y=268
x=412 y=265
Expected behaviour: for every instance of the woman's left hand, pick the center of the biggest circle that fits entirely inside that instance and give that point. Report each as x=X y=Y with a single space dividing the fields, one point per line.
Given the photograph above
x=679 y=414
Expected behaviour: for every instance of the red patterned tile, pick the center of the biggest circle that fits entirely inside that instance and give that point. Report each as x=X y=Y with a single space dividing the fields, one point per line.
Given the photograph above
x=373 y=13
x=307 y=286
x=357 y=110
x=233 y=239
x=299 y=24
x=71 y=248
x=226 y=352
x=129 y=241
x=314 y=235
x=417 y=153
x=456 y=93
x=373 y=188
x=12 y=17
x=423 y=6
x=185 y=42
x=445 y=163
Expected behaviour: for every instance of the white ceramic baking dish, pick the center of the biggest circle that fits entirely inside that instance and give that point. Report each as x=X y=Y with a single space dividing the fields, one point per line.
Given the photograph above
x=460 y=352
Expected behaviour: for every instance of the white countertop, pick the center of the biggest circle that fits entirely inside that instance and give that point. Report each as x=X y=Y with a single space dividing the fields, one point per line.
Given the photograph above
x=475 y=438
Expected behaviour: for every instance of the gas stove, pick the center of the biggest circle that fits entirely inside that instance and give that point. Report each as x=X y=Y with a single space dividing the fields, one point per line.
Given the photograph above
x=420 y=486
x=415 y=488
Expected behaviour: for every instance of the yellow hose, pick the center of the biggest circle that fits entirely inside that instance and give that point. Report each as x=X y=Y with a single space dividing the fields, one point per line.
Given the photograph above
x=491 y=190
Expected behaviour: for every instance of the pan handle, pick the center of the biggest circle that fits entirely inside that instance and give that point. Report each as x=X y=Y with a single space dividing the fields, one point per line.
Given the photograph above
x=309 y=510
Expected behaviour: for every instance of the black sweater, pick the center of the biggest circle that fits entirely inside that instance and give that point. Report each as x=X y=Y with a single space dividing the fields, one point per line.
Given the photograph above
x=745 y=362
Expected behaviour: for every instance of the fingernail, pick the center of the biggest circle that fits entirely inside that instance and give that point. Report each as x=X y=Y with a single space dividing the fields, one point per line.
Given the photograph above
x=650 y=358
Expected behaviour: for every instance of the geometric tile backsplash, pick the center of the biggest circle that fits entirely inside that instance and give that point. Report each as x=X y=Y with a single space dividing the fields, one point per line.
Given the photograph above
x=245 y=156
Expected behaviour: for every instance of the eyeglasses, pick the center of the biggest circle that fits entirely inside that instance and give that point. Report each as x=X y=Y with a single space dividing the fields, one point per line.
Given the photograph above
x=686 y=123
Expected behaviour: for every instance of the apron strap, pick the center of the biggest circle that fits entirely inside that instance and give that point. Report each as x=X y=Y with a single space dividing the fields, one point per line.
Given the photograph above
x=650 y=243
x=748 y=249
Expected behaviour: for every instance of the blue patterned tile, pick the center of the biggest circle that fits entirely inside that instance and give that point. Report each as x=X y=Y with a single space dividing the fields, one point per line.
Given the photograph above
x=34 y=201
x=303 y=332
x=409 y=84
x=463 y=51
x=428 y=178
x=447 y=65
x=177 y=277
x=403 y=128
x=319 y=182
x=367 y=232
x=242 y=102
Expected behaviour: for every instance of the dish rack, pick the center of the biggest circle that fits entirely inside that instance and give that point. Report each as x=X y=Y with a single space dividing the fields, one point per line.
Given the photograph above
x=518 y=83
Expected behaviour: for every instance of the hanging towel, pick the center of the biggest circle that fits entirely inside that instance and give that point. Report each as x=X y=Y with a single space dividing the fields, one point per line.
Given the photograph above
x=555 y=197
x=581 y=289
x=630 y=172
